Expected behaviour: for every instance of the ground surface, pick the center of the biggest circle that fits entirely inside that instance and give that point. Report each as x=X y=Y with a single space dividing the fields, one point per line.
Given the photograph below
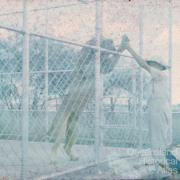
x=103 y=172
x=116 y=163
x=38 y=159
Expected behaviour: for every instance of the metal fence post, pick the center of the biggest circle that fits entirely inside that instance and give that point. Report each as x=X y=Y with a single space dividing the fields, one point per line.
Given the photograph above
x=170 y=54
x=141 y=77
x=46 y=73
x=98 y=80
x=25 y=102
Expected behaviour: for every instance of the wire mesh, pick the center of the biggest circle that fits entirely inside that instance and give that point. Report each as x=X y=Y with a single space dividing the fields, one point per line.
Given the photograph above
x=61 y=89
x=71 y=98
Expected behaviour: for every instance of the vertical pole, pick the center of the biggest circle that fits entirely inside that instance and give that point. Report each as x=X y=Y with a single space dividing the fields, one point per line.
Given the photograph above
x=25 y=102
x=133 y=112
x=170 y=54
x=141 y=77
x=46 y=73
x=101 y=82
x=98 y=80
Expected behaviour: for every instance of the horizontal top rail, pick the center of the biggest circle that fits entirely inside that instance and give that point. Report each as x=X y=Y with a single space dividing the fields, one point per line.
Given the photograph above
x=64 y=41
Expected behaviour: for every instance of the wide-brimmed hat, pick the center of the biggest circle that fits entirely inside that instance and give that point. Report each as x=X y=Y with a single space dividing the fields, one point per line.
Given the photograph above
x=159 y=61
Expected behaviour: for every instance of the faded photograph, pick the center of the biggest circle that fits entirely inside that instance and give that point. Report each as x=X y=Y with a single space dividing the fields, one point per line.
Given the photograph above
x=89 y=89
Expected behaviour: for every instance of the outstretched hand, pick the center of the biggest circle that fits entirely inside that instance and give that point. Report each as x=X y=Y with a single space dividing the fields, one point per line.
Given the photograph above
x=124 y=43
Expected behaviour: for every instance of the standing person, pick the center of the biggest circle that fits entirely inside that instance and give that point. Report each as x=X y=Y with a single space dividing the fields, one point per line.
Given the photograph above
x=159 y=109
x=81 y=91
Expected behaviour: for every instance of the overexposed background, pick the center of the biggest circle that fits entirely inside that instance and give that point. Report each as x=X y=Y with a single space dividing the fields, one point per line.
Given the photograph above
x=75 y=20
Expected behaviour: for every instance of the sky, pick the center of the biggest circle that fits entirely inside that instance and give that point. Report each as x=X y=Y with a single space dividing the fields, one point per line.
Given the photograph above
x=77 y=23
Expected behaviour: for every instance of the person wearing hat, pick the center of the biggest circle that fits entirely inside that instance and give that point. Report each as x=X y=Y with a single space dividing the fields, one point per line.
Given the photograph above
x=159 y=109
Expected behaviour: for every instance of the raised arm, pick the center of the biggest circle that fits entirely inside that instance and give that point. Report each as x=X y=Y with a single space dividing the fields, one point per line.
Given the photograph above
x=126 y=45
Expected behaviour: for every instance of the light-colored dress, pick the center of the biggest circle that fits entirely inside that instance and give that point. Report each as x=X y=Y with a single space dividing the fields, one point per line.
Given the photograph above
x=159 y=110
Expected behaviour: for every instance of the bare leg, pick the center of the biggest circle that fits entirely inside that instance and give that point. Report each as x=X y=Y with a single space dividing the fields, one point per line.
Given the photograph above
x=72 y=128
x=70 y=138
x=72 y=132
x=61 y=117
x=75 y=104
x=65 y=109
x=57 y=133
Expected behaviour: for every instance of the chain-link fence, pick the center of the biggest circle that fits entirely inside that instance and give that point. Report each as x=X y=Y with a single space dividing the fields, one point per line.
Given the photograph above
x=66 y=91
